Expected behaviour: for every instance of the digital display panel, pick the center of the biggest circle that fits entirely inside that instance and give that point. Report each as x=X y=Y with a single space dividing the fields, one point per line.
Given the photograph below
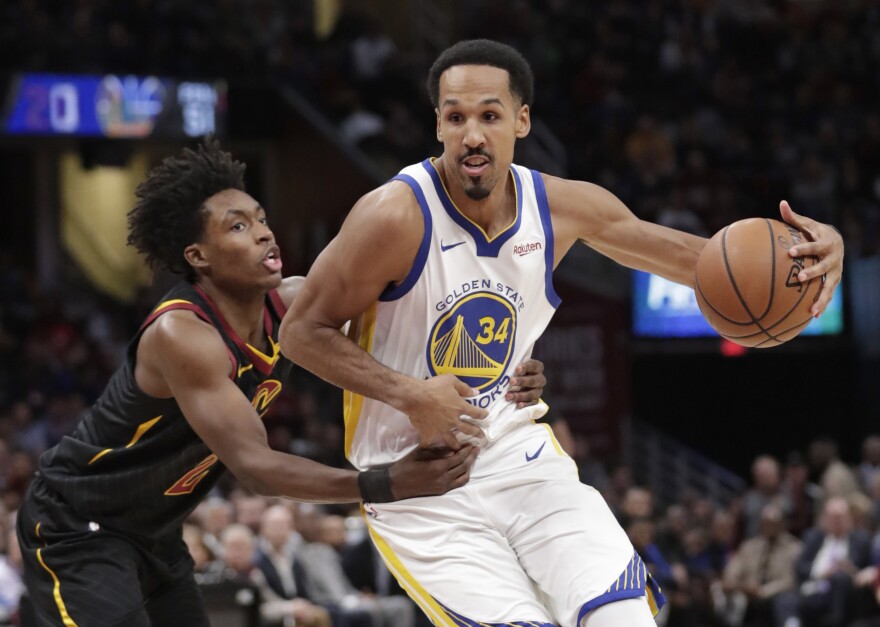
x=113 y=106
x=663 y=309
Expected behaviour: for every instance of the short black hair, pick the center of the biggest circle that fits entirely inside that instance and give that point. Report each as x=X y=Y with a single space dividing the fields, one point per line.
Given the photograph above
x=484 y=52
x=169 y=212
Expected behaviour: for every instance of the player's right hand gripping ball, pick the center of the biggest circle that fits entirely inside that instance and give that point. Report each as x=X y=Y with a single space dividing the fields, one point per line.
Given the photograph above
x=747 y=286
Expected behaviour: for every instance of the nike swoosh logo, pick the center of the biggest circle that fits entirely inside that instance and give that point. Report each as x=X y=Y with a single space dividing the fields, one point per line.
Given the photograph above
x=535 y=456
x=450 y=246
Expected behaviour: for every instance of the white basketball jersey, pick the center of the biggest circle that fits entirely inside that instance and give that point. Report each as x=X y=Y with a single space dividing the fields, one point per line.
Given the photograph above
x=471 y=306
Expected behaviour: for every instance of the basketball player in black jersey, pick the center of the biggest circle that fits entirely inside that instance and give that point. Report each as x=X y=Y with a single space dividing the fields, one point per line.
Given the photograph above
x=100 y=528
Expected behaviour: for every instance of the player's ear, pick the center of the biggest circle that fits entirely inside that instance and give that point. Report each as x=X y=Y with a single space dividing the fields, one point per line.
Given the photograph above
x=439 y=132
x=195 y=256
x=523 y=121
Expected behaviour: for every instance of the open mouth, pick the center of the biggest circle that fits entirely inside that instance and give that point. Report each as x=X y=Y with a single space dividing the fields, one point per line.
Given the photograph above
x=272 y=260
x=474 y=166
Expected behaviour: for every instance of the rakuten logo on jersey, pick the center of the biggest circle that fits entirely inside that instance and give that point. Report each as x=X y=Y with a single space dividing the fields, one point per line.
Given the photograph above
x=527 y=248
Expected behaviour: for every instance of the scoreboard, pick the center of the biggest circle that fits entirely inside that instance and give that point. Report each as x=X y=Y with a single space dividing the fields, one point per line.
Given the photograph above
x=113 y=106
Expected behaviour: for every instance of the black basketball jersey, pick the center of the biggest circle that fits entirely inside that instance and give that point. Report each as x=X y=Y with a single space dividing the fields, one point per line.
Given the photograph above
x=133 y=464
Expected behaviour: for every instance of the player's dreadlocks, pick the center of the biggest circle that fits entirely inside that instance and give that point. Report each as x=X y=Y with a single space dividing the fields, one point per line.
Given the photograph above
x=169 y=213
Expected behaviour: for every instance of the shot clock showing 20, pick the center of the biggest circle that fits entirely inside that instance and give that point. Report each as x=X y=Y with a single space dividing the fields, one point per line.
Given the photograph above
x=113 y=106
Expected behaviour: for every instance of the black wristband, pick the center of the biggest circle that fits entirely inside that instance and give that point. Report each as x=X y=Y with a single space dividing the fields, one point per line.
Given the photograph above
x=375 y=486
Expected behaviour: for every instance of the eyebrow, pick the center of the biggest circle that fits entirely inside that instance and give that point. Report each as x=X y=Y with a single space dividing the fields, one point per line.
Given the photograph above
x=242 y=212
x=484 y=101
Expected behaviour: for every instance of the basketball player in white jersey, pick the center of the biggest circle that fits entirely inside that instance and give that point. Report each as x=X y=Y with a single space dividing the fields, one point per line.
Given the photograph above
x=447 y=276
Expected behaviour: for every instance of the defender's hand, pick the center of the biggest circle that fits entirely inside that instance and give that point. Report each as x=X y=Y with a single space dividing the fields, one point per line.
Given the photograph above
x=438 y=410
x=430 y=472
x=527 y=384
x=825 y=243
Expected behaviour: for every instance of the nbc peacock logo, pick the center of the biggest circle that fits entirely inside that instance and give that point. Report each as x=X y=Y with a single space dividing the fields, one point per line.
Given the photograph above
x=474 y=340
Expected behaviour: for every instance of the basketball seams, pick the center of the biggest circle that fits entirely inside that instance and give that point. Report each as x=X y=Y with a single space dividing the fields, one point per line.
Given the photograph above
x=733 y=284
x=772 y=267
x=797 y=327
x=777 y=335
x=779 y=321
x=775 y=324
x=741 y=254
x=712 y=307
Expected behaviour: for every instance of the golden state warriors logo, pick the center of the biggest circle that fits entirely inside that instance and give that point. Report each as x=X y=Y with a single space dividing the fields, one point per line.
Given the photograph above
x=474 y=340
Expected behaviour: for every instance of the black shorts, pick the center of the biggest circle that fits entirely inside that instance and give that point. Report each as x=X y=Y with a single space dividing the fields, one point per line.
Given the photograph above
x=80 y=574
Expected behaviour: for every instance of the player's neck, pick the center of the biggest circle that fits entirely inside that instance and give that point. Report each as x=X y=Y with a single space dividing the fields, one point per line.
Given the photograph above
x=494 y=213
x=243 y=312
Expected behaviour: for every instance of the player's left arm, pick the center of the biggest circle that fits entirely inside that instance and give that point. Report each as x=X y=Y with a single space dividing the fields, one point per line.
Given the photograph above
x=589 y=213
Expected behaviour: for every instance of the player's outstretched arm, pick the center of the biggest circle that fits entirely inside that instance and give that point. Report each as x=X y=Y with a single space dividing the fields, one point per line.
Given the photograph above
x=587 y=212
x=191 y=359
x=375 y=248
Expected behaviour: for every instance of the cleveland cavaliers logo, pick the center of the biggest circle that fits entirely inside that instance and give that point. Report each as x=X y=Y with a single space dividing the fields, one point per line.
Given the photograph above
x=474 y=340
x=265 y=394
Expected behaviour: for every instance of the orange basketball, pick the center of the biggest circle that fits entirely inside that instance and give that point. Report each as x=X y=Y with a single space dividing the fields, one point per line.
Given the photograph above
x=746 y=283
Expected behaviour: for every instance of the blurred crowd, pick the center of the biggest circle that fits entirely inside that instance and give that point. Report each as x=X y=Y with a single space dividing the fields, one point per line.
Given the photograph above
x=694 y=112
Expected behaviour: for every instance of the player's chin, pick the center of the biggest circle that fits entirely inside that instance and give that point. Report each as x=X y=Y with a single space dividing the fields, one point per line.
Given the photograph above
x=271 y=281
x=476 y=190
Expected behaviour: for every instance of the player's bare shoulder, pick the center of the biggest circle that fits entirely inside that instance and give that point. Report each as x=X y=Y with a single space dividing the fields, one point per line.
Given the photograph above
x=180 y=338
x=569 y=198
x=393 y=205
x=385 y=229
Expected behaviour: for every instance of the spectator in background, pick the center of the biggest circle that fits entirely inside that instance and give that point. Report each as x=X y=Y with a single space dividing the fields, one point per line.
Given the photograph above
x=18 y=477
x=214 y=514
x=11 y=583
x=240 y=560
x=387 y=611
x=620 y=481
x=766 y=489
x=249 y=510
x=722 y=541
x=291 y=571
x=833 y=476
x=802 y=494
x=206 y=566
x=832 y=555
x=869 y=468
x=638 y=502
x=760 y=570
x=671 y=533
x=641 y=534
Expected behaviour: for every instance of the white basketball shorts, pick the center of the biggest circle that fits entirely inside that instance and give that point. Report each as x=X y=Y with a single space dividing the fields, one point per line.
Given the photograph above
x=524 y=543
